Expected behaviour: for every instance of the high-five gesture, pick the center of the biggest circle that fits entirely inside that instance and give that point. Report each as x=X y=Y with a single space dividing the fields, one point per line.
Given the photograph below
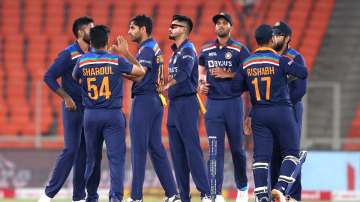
x=121 y=46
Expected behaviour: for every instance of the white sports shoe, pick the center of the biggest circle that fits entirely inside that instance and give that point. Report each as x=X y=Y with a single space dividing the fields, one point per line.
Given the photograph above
x=44 y=198
x=277 y=196
x=83 y=200
x=174 y=198
x=219 y=198
x=205 y=199
x=242 y=196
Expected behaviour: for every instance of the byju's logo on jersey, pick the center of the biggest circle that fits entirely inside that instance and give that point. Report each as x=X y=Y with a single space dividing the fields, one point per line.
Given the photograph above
x=228 y=55
x=212 y=54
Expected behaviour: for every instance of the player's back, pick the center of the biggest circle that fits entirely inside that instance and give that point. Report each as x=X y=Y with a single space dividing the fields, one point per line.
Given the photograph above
x=102 y=84
x=266 y=73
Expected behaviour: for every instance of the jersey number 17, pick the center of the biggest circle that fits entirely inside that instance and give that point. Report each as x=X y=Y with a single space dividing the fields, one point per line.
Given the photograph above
x=255 y=82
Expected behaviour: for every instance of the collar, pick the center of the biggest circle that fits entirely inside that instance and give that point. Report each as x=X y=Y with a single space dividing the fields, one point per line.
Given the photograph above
x=175 y=48
x=228 y=42
x=144 y=42
x=266 y=49
x=100 y=51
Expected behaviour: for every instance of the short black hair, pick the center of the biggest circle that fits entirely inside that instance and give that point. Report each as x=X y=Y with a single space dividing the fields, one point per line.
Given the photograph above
x=143 y=21
x=99 y=36
x=183 y=18
x=79 y=22
x=263 y=34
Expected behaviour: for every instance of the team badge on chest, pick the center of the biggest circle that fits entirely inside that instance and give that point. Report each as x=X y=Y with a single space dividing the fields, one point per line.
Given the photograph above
x=228 y=55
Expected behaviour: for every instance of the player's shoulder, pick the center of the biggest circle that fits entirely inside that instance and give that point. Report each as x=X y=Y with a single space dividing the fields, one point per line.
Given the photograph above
x=151 y=46
x=236 y=45
x=208 y=46
x=258 y=58
x=187 y=47
x=73 y=51
x=292 y=53
x=94 y=58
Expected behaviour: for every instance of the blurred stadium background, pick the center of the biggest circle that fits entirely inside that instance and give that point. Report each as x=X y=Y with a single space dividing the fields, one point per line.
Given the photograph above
x=326 y=32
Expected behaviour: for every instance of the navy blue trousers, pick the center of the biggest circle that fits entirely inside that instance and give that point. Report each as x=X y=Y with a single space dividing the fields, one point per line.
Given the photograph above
x=227 y=116
x=295 y=191
x=73 y=155
x=145 y=130
x=269 y=124
x=106 y=125
x=187 y=156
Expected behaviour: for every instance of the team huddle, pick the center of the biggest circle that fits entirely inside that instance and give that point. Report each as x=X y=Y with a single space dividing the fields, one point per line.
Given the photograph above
x=247 y=93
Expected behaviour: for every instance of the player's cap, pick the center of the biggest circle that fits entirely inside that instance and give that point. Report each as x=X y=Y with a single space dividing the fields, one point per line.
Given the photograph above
x=281 y=28
x=224 y=15
x=263 y=34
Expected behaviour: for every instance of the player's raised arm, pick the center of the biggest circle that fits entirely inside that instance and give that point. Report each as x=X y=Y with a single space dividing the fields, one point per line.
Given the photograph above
x=293 y=68
x=121 y=47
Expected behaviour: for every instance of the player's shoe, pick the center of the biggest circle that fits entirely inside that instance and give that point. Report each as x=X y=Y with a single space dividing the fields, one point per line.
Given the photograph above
x=132 y=200
x=44 y=198
x=174 y=198
x=277 y=196
x=242 y=195
x=206 y=199
x=219 y=198
x=83 y=200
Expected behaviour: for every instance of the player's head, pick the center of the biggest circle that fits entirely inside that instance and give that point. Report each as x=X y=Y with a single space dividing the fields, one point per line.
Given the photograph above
x=282 y=35
x=140 y=27
x=81 y=28
x=223 y=24
x=180 y=26
x=99 y=36
x=264 y=35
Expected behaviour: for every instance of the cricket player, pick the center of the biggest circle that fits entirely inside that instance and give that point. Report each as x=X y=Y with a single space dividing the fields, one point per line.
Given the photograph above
x=147 y=112
x=264 y=75
x=99 y=73
x=183 y=111
x=218 y=62
x=73 y=154
x=297 y=88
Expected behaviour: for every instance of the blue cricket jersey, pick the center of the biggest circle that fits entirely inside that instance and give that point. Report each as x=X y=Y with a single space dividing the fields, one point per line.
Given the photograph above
x=63 y=67
x=230 y=58
x=101 y=79
x=264 y=74
x=183 y=67
x=297 y=87
x=149 y=56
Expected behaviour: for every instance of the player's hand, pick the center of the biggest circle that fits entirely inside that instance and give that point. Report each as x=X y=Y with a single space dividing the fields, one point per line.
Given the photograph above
x=121 y=46
x=204 y=88
x=247 y=126
x=162 y=88
x=69 y=103
x=220 y=73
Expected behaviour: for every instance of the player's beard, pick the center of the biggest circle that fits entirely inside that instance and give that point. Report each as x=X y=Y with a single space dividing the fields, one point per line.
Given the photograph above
x=172 y=37
x=279 y=45
x=136 y=39
x=223 y=34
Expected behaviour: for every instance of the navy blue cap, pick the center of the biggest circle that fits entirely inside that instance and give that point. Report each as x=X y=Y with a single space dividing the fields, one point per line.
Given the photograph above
x=281 y=28
x=224 y=15
x=263 y=34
